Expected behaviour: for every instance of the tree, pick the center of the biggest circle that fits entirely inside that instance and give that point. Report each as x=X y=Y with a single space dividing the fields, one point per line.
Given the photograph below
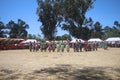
x=58 y=38
x=63 y=37
x=85 y=33
x=66 y=37
x=48 y=12
x=112 y=31
x=22 y=32
x=17 y=30
x=87 y=29
x=30 y=36
x=74 y=16
x=2 y=28
x=97 y=30
x=117 y=28
x=117 y=25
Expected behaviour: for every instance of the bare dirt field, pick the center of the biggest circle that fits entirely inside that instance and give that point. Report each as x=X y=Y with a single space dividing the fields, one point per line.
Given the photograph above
x=26 y=65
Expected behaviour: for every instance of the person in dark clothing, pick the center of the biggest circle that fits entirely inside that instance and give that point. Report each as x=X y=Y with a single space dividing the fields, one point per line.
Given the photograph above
x=80 y=45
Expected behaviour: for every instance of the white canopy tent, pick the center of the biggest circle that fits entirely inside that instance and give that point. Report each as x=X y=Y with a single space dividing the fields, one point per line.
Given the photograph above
x=28 y=41
x=31 y=40
x=74 y=40
x=113 y=39
x=95 y=39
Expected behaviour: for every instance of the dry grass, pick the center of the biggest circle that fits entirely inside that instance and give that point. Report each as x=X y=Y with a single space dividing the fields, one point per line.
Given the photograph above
x=25 y=65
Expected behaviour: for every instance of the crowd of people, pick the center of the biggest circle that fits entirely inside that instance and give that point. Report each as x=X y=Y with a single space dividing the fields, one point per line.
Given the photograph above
x=60 y=46
x=114 y=44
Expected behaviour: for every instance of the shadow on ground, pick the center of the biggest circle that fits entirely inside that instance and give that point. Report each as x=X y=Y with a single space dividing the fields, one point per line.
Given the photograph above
x=67 y=72
x=64 y=72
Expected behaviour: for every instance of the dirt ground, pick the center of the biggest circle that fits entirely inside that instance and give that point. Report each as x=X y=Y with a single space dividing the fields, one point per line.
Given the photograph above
x=93 y=65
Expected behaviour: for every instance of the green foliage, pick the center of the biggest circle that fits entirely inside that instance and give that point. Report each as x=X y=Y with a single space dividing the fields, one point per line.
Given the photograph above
x=73 y=12
x=85 y=33
x=58 y=38
x=66 y=37
x=17 y=30
x=112 y=31
x=2 y=30
x=63 y=37
x=97 y=30
x=48 y=12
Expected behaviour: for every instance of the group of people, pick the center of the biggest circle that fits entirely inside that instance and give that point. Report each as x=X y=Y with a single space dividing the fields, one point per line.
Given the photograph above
x=50 y=46
x=61 y=46
x=114 y=44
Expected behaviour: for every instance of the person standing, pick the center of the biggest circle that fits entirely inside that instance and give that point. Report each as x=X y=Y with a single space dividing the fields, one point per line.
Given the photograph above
x=73 y=46
x=85 y=46
x=58 y=46
x=30 y=46
x=95 y=45
x=49 y=46
x=34 y=44
x=104 y=45
x=67 y=46
x=41 y=46
x=80 y=45
x=77 y=46
x=62 y=46
x=36 y=47
x=53 y=46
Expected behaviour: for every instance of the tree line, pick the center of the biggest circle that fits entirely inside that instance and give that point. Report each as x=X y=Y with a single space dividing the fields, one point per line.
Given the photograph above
x=19 y=30
x=69 y=15
x=14 y=30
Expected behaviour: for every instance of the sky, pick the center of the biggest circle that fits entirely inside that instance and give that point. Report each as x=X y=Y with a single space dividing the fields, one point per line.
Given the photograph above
x=104 y=11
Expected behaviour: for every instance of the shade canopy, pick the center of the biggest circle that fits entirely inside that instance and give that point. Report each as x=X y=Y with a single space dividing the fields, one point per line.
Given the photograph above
x=28 y=41
x=113 y=39
x=31 y=40
x=74 y=40
x=95 y=39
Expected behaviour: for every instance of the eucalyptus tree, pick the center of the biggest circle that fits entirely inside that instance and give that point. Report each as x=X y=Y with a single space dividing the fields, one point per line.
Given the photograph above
x=49 y=15
x=113 y=31
x=2 y=30
x=58 y=38
x=117 y=25
x=74 y=16
x=17 y=30
x=107 y=32
x=97 y=31
x=66 y=37
x=117 y=28
x=23 y=26
x=71 y=12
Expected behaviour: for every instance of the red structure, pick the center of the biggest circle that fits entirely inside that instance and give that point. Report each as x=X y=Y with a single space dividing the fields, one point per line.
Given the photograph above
x=10 y=43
